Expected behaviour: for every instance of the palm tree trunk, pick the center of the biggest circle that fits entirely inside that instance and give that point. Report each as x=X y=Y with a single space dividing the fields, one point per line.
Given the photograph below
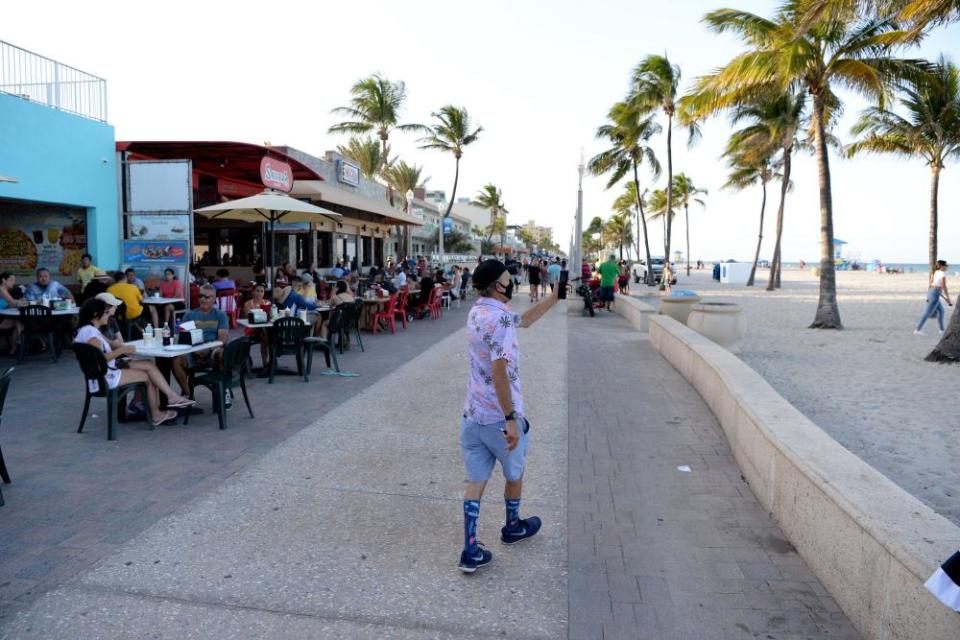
x=948 y=349
x=643 y=223
x=934 y=196
x=828 y=313
x=756 y=256
x=453 y=195
x=669 y=221
x=686 y=219
x=774 y=280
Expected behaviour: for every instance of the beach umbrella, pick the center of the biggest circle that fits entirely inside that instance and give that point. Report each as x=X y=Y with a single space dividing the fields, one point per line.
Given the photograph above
x=269 y=207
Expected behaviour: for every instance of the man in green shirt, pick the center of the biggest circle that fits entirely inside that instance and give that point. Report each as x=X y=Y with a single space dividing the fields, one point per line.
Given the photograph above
x=609 y=272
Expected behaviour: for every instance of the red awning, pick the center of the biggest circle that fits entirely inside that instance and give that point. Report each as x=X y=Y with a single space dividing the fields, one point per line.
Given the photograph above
x=231 y=161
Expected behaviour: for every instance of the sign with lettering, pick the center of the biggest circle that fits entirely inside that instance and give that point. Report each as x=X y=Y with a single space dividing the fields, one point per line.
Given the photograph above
x=276 y=174
x=349 y=173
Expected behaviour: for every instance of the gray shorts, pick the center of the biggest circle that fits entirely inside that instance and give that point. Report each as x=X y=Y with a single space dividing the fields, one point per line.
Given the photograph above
x=483 y=444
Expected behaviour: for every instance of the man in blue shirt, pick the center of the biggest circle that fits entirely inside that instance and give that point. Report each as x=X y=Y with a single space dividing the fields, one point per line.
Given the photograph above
x=45 y=286
x=215 y=325
x=338 y=271
x=553 y=274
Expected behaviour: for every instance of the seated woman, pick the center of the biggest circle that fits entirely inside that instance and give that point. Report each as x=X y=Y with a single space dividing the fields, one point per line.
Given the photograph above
x=261 y=335
x=342 y=295
x=422 y=298
x=7 y=282
x=94 y=316
x=170 y=287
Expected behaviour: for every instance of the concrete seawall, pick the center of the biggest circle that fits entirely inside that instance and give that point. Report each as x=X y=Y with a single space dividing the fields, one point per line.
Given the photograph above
x=871 y=543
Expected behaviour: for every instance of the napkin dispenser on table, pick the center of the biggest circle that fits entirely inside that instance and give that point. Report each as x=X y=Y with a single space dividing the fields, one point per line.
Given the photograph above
x=257 y=316
x=189 y=334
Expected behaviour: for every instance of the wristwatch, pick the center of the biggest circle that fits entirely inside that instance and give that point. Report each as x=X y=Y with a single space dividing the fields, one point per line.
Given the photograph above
x=510 y=416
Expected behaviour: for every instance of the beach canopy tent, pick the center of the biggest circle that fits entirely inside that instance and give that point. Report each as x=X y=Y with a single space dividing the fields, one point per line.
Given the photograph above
x=269 y=207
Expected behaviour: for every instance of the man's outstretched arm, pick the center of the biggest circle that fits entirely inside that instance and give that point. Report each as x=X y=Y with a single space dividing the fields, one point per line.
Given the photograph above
x=533 y=314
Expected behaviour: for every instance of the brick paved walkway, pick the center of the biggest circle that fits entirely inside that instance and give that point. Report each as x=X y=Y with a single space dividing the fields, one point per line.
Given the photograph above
x=77 y=498
x=656 y=552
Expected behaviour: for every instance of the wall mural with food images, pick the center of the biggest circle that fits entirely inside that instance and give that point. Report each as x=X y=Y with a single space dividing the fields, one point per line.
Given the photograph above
x=32 y=237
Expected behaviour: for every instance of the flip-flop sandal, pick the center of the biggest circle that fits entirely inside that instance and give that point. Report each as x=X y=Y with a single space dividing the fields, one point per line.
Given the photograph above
x=167 y=416
x=182 y=403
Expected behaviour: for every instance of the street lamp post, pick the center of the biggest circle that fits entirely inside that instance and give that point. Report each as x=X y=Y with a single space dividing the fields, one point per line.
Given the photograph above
x=578 y=232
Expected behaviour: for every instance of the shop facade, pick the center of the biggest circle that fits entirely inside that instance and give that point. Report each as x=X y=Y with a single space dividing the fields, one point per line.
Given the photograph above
x=58 y=179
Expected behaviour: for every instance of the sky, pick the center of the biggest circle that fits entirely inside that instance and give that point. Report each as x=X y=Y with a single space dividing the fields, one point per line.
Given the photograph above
x=538 y=76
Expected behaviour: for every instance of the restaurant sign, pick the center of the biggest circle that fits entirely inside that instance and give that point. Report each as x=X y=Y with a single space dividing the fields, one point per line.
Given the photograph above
x=349 y=173
x=158 y=227
x=276 y=174
x=146 y=252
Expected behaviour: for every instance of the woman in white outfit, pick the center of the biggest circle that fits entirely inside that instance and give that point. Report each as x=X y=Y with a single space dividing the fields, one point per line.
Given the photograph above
x=938 y=289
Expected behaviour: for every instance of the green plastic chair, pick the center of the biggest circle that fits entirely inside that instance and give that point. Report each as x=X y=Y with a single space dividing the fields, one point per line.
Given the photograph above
x=233 y=373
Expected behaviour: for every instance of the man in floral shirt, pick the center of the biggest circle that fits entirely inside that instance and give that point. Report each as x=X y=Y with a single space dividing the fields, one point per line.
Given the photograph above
x=493 y=427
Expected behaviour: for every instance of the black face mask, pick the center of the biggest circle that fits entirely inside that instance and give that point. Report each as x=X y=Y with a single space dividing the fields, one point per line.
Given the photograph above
x=508 y=290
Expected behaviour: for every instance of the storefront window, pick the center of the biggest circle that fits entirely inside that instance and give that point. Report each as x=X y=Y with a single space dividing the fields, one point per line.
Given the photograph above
x=324 y=249
x=367 y=243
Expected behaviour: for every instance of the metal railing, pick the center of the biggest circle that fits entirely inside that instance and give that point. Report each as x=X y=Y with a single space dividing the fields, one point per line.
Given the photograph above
x=37 y=78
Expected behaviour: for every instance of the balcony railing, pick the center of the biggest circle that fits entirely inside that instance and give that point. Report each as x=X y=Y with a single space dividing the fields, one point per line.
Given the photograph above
x=39 y=79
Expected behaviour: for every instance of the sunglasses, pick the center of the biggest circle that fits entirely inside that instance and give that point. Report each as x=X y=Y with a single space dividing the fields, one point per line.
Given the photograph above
x=205 y=296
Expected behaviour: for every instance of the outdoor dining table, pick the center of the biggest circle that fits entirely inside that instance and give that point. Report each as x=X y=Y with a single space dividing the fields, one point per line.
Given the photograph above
x=370 y=307
x=164 y=356
x=243 y=322
x=15 y=312
x=160 y=300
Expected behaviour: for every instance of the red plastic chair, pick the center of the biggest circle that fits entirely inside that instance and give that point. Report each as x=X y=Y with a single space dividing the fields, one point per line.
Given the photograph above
x=388 y=315
x=401 y=308
x=227 y=302
x=434 y=303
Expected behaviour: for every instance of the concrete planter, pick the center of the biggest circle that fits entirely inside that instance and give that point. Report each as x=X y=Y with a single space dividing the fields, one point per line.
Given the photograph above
x=678 y=307
x=722 y=322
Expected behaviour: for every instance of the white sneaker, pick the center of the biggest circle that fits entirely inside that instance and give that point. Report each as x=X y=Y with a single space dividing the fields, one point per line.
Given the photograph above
x=940 y=333
x=917 y=332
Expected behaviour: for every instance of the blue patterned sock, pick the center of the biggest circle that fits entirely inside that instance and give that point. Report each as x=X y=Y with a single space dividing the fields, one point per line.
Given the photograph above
x=471 y=513
x=513 y=512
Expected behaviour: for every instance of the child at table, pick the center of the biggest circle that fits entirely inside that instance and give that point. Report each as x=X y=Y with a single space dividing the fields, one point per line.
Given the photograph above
x=261 y=335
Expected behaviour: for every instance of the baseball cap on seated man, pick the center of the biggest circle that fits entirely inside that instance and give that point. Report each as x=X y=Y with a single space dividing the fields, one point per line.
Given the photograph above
x=109 y=298
x=487 y=272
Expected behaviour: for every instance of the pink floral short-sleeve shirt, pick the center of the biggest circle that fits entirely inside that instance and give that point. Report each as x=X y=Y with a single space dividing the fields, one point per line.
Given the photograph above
x=491 y=335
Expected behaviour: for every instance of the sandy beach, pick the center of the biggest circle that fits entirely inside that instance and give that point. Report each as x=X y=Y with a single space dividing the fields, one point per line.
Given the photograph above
x=868 y=385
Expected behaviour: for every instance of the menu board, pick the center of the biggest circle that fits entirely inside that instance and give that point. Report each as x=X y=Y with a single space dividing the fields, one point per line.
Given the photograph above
x=32 y=238
x=158 y=227
x=150 y=252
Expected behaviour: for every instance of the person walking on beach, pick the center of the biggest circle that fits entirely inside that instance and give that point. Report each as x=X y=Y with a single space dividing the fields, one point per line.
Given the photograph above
x=937 y=290
x=494 y=426
x=609 y=272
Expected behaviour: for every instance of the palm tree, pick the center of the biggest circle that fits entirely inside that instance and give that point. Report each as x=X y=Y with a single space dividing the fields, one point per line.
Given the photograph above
x=619 y=230
x=367 y=153
x=490 y=197
x=657 y=208
x=404 y=178
x=655 y=82
x=375 y=107
x=773 y=122
x=631 y=199
x=790 y=51
x=747 y=170
x=920 y=14
x=628 y=133
x=930 y=130
x=687 y=192
x=453 y=131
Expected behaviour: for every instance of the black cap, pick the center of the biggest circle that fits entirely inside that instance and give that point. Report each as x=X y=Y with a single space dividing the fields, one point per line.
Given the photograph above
x=487 y=272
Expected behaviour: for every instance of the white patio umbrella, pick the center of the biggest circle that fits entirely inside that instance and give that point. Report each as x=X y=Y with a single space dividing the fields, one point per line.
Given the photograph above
x=268 y=207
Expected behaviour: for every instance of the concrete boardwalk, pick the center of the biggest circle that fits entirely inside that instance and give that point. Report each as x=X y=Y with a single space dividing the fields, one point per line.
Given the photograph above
x=351 y=528
x=657 y=552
